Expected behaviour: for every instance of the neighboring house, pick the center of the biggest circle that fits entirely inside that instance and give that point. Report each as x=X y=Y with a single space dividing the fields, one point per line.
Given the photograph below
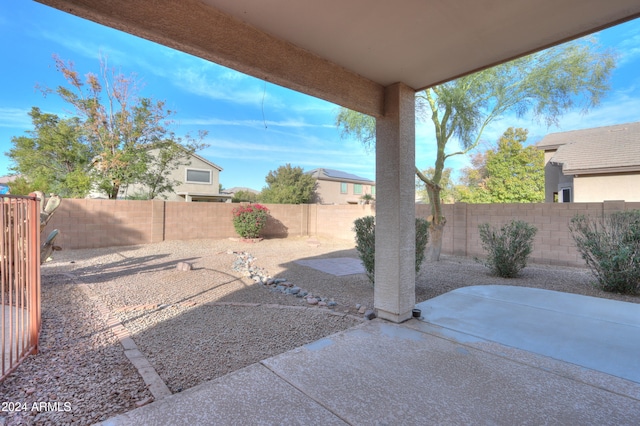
x=4 y=183
x=336 y=187
x=592 y=165
x=199 y=181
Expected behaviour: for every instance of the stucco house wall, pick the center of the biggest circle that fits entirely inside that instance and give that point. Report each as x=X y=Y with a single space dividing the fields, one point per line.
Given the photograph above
x=595 y=188
x=199 y=181
x=330 y=192
x=554 y=179
x=199 y=165
x=337 y=187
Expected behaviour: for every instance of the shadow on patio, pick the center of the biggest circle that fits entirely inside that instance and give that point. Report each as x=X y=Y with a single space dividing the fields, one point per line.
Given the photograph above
x=458 y=368
x=422 y=373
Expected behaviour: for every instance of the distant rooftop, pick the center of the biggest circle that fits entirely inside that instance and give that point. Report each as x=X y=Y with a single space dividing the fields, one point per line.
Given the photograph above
x=329 y=174
x=9 y=178
x=596 y=150
x=238 y=189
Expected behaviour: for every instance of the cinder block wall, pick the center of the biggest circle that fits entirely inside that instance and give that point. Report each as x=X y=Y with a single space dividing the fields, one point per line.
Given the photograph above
x=189 y=221
x=105 y=223
x=287 y=220
x=336 y=221
x=102 y=223
x=553 y=244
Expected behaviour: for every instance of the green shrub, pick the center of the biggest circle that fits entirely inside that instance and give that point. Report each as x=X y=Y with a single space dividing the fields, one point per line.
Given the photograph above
x=249 y=220
x=365 y=229
x=244 y=197
x=611 y=248
x=507 y=248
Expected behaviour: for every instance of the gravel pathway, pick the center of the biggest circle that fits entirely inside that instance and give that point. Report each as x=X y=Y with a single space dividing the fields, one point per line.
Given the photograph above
x=200 y=324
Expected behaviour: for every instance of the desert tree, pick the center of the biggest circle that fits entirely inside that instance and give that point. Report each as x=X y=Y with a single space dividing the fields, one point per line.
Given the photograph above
x=546 y=84
x=508 y=173
x=53 y=157
x=128 y=136
x=288 y=185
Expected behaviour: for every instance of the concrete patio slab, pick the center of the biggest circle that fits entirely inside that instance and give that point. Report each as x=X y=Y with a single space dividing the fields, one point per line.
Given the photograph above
x=424 y=373
x=253 y=395
x=338 y=266
x=596 y=333
x=385 y=373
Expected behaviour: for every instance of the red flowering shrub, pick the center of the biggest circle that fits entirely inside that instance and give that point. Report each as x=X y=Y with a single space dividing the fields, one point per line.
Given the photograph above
x=250 y=219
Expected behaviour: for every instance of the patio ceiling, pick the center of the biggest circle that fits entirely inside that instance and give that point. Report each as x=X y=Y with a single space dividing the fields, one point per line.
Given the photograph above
x=347 y=51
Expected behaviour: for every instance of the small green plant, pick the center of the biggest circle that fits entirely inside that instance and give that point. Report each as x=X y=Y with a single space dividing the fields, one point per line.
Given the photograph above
x=365 y=229
x=611 y=248
x=244 y=197
x=507 y=248
x=367 y=199
x=249 y=220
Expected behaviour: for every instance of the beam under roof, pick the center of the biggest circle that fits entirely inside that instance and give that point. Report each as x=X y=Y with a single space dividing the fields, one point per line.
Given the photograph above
x=346 y=52
x=198 y=29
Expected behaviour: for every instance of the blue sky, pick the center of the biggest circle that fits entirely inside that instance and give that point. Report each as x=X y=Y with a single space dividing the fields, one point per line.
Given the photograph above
x=253 y=127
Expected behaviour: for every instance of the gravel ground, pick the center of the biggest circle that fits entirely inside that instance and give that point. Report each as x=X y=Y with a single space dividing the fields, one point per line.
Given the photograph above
x=197 y=325
x=80 y=365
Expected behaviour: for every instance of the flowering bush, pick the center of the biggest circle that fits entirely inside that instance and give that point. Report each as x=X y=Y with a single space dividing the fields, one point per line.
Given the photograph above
x=250 y=219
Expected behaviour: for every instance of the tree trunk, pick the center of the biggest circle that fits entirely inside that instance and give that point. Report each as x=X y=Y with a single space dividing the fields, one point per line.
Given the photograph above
x=434 y=247
x=113 y=194
x=437 y=220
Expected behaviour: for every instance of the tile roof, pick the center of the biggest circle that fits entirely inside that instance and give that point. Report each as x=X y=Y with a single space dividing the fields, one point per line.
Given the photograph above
x=329 y=174
x=597 y=150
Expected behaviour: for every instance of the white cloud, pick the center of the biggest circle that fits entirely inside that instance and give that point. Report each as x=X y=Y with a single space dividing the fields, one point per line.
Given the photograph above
x=188 y=73
x=80 y=46
x=309 y=104
x=194 y=81
x=307 y=151
x=629 y=46
x=238 y=149
x=257 y=124
x=231 y=75
x=15 y=118
x=621 y=107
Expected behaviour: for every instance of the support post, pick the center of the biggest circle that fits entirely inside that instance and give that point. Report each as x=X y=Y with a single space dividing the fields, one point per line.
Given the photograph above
x=394 y=293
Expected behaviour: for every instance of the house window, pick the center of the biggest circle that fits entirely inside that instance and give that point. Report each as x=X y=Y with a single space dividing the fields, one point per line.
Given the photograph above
x=343 y=187
x=373 y=191
x=198 y=176
x=357 y=189
x=566 y=195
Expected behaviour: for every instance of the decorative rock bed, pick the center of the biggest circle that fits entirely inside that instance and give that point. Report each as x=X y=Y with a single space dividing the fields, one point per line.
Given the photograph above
x=245 y=264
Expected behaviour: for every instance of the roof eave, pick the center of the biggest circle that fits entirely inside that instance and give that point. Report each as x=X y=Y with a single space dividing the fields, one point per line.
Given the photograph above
x=366 y=182
x=602 y=170
x=553 y=147
x=206 y=161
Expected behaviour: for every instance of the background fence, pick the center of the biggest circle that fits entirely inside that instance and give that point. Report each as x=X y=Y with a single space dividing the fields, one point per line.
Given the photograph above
x=104 y=223
x=20 y=279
